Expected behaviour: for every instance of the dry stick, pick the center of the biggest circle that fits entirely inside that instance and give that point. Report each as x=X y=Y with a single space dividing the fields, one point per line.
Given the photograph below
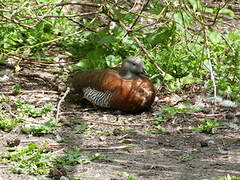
x=107 y=148
x=60 y=102
x=149 y=55
x=32 y=91
x=202 y=114
x=212 y=74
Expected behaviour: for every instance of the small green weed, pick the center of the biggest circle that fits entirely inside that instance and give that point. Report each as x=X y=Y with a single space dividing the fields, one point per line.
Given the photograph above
x=47 y=127
x=105 y=132
x=125 y=175
x=3 y=98
x=30 y=110
x=207 y=126
x=86 y=129
x=156 y=130
x=6 y=122
x=29 y=160
x=227 y=177
x=17 y=89
x=75 y=156
x=81 y=128
x=171 y=113
x=185 y=158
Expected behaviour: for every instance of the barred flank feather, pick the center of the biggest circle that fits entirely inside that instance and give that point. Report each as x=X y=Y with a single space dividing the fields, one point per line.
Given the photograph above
x=96 y=97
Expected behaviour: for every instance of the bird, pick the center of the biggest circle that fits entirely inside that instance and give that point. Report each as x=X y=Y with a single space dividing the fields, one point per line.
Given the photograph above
x=125 y=88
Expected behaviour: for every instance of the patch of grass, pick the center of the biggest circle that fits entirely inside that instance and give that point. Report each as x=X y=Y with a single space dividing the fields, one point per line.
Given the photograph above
x=207 y=126
x=75 y=156
x=30 y=110
x=29 y=160
x=47 y=127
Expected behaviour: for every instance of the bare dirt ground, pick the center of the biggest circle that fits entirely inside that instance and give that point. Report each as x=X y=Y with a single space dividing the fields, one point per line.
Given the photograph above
x=179 y=153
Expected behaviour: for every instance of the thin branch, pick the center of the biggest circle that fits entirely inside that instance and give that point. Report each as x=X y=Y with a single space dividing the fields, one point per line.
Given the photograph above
x=152 y=60
x=210 y=65
x=137 y=18
x=60 y=102
x=110 y=14
x=112 y=124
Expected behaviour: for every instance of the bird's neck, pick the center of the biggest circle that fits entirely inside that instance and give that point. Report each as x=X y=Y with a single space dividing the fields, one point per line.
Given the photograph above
x=128 y=75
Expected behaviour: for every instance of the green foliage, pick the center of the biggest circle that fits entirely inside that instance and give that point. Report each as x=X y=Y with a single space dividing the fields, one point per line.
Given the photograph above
x=18 y=37
x=207 y=126
x=75 y=156
x=81 y=128
x=29 y=160
x=227 y=177
x=156 y=130
x=125 y=175
x=17 y=89
x=47 y=127
x=86 y=129
x=3 y=98
x=227 y=66
x=6 y=122
x=30 y=110
x=171 y=113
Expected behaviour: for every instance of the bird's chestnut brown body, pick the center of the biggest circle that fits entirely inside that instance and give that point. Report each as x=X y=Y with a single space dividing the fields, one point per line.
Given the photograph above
x=107 y=88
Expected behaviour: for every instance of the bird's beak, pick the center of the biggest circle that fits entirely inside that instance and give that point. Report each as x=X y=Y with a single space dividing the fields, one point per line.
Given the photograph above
x=144 y=72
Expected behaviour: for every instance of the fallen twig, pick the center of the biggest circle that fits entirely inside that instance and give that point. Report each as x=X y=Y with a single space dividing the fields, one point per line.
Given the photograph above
x=107 y=149
x=60 y=102
x=32 y=91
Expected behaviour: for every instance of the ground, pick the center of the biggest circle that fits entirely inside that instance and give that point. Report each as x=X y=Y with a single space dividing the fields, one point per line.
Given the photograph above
x=134 y=149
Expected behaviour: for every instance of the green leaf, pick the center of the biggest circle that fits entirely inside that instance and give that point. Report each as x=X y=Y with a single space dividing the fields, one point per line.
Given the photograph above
x=214 y=36
x=227 y=11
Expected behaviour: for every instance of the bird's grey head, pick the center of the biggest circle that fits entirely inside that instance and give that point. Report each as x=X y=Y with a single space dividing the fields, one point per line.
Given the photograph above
x=132 y=67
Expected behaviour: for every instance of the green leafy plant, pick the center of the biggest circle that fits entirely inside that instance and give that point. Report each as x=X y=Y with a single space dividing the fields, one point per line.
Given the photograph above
x=3 y=98
x=17 y=89
x=28 y=109
x=75 y=156
x=207 y=126
x=7 y=123
x=81 y=128
x=29 y=160
x=156 y=130
x=47 y=127
x=125 y=175
x=171 y=113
